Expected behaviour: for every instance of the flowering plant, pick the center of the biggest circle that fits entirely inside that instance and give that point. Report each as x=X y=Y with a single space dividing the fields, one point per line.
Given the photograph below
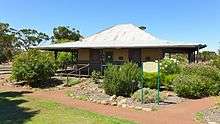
x=170 y=66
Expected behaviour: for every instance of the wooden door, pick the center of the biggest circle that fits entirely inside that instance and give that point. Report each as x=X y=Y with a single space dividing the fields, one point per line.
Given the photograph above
x=134 y=55
x=95 y=59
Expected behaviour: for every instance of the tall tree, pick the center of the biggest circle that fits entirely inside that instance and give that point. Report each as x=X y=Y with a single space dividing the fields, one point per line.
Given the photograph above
x=7 y=38
x=65 y=34
x=29 y=37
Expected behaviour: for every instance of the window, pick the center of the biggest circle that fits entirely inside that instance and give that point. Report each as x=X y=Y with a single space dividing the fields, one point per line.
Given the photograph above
x=108 y=57
x=120 y=58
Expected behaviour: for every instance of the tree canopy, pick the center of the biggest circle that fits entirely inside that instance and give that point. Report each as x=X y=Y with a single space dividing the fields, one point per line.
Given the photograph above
x=65 y=34
x=6 y=42
x=29 y=37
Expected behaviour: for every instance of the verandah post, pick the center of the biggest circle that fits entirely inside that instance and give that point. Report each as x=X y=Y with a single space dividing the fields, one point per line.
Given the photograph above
x=158 y=82
x=142 y=83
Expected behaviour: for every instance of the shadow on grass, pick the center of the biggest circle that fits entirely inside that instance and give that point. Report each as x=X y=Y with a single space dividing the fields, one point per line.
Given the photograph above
x=11 y=112
x=53 y=82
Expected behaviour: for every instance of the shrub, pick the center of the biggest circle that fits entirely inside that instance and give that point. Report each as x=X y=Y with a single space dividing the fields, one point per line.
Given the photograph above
x=150 y=95
x=33 y=66
x=193 y=86
x=216 y=62
x=150 y=80
x=198 y=80
x=122 y=80
x=65 y=59
x=202 y=69
x=167 y=82
x=96 y=75
x=170 y=66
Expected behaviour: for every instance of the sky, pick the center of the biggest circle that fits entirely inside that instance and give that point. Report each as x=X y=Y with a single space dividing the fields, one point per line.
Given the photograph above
x=175 y=20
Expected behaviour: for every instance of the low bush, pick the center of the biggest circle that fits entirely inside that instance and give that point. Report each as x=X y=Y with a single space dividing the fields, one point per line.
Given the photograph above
x=149 y=95
x=33 y=66
x=198 y=80
x=202 y=69
x=150 y=80
x=65 y=59
x=167 y=82
x=123 y=80
x=192 y=86
x=216 y=62
x=170 y=66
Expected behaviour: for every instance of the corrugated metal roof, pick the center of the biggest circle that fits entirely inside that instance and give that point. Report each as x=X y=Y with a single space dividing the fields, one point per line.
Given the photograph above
x=119 y=36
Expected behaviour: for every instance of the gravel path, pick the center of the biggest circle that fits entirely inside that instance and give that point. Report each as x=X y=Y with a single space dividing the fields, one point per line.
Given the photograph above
x=182 y=113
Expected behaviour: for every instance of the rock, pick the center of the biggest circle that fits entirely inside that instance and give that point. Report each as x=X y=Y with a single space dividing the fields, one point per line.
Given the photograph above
x=98 y=101
x=122 y=101
x=212 y=123
x=123 y=105
x=104 y=102
x=138 y=108
x=113 y=98
x=114 y=103
x=146 y=109
x=131 y=106
x=94 y=101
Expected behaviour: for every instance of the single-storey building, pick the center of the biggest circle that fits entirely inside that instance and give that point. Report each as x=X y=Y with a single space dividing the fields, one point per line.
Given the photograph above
x=121 y=43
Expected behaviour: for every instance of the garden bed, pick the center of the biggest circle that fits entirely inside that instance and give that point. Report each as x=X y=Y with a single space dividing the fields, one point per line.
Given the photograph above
x=89 y=91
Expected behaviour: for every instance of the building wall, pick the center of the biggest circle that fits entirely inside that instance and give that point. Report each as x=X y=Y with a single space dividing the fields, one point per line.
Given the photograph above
x=146 y=54
x=118 y=53
x=151 y=54
x=83 y=54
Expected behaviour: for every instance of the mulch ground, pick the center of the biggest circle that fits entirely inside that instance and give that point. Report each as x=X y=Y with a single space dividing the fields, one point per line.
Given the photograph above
x=182 y=113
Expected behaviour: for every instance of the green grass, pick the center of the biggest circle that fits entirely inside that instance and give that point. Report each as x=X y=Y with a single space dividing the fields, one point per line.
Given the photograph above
x=200 y=117
x=72 y=81
x=17 y=109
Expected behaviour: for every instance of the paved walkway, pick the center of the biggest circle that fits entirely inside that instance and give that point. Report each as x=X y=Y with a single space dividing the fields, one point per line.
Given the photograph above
x=182 y=113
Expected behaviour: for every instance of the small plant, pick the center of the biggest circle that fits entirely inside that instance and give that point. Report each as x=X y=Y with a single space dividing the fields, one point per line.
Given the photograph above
x=96 y=75
x=72 y=82
x=200 y=117
x=122 y=81
x=150 y=95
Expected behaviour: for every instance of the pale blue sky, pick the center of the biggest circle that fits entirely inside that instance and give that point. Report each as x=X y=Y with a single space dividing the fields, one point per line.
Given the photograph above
x=176 y=20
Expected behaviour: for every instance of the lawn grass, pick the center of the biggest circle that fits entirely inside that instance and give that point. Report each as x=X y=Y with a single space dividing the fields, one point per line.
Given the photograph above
x=18 y=109
x=199 y=117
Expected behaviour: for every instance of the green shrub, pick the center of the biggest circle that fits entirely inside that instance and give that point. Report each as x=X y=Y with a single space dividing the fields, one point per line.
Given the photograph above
x=65 y=59
x=216 y=62
x=150 y=80
x=33 y=66
x=202 y=69
x=170 y=66
x=193 y=86
x=122 y=81
x=167 y=82
x=198 y=80
x=150 y=95
x=96 y=75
